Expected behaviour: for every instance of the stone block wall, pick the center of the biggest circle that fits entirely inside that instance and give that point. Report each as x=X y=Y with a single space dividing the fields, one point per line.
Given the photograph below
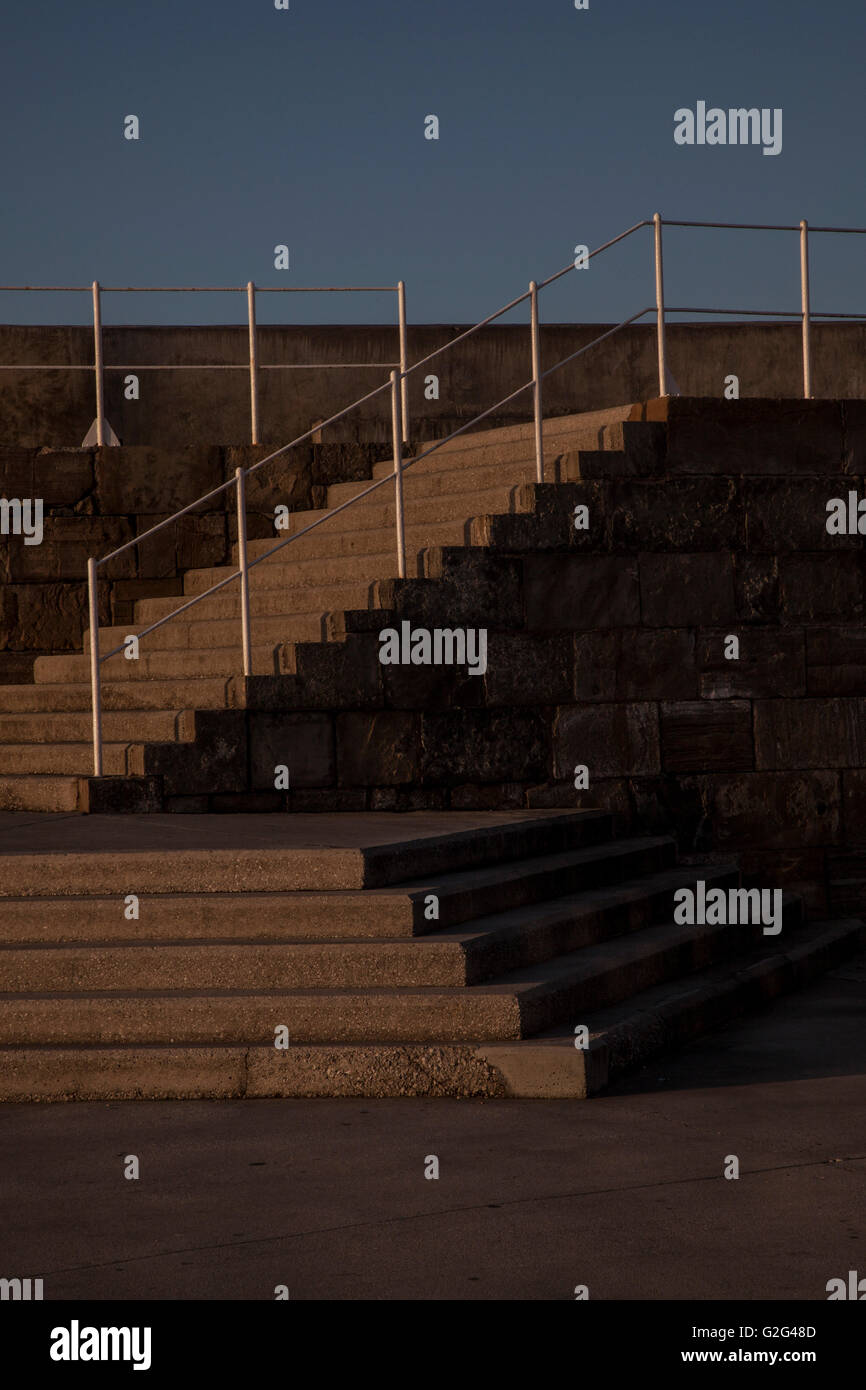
x=95 y=500
x=607 y=648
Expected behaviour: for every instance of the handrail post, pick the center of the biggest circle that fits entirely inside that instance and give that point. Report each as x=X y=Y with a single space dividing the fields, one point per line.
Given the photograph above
x=98 y=365
x=254 y=362
x=660 y=305
x=804 y=299
x=245 y=573
x=536 y=382
x=397 y=437
x=404 y=357
x=95 y=689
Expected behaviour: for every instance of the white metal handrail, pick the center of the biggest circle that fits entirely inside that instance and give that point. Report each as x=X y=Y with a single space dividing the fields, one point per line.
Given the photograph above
x=398 y=385
x=253 y=366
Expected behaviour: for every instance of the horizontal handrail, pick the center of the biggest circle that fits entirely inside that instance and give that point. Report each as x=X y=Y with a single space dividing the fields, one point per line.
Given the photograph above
x=189 y=366
x=764 y=226
x=211 y=289
x=762 y=313
x=251 y=290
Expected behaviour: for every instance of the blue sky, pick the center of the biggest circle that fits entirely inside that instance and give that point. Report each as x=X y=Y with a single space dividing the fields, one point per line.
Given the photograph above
x=306 y=127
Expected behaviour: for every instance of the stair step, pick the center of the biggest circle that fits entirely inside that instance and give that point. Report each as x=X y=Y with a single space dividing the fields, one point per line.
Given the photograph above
x=624 y=1036
x=279 y=574
x=274 y=602
x=514 y=1005
x=326 y=543
x=547 y=1066
x=164 y=698
x=306 y=866
x=593 y=429
x=61 y=759
x=139 y=726
x=421 y=481
x=165 y=664
x=40 y=793
x=489 y=946
x=398 y=912
x=182 y=635
x=377 y=512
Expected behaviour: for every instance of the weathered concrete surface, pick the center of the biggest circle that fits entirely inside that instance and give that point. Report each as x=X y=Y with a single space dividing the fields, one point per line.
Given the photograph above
x=624 y=1193
x=178 y=407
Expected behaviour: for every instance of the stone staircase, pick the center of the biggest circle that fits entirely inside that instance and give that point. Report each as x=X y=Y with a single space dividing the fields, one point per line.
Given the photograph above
x=439 y=955
x=300 y=597
x=606 y=651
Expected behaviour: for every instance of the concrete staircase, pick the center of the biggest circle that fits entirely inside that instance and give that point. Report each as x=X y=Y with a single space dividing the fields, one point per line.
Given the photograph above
x=404 y=955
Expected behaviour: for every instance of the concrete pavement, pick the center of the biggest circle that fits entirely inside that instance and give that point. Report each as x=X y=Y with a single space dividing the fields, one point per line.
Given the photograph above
x=624 y=1193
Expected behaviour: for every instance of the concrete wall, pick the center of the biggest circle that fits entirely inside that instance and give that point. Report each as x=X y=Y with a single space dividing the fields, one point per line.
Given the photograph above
x=179 y=407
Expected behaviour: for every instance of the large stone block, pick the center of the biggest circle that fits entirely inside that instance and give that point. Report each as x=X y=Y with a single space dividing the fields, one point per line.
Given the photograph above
x=339 y=675
x=706 y=736
x=528 y=669
x=854 y=805
x=542 y=518
x=201 y=541
x=346 y=462
x=754 y=436
x=634 y=448
x=63 y=477
x=137 y=480
x=810 y=733
x=771 y=662
x=304 y=743
x=497 y=745
x=854 y=436
x=820 y=587
x=635 y=664
x=846 y=877
x=67 y=544
x=284 y=481
x=378 y=749
x=17 y=472
x=215 y=762
x=580 y=591
x=431 y=687
x=620 y=740
x=784 y=514
x=684 y=514
x=475 y=589
x=794 y=871
x=8 y=615
x=52 y=617
x=836 y=660
x=686 y=590
x=756 y=588
x=482 y=591
x=195 y=541
x=728 y=812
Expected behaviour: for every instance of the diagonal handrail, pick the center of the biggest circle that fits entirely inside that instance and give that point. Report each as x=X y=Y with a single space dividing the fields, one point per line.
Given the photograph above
x=398 y=385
